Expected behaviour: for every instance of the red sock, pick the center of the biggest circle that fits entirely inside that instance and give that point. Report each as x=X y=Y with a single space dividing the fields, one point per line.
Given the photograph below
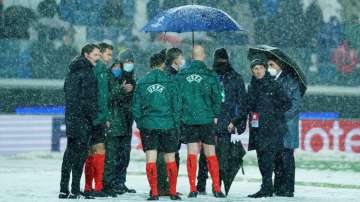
x=213 y=166
x=172 y=173
x=151 y=173
x=98 y=163
x=191 y=165
x=89 y=174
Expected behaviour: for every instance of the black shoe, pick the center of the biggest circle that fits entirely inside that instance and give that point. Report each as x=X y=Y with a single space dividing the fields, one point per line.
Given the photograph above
x=99 y=194
x=175 y=197
x=110 y=193
x=153 y=198
x=63 y=195
x=81 y=195
x=119 y=191
x=285 y=194
x=193 y=194
x=261 y=194
x=131 y=191
x=219 y=194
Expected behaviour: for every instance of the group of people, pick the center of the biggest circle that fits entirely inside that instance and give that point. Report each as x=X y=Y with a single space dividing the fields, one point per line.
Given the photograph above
x=98 y=122
x=171 y=105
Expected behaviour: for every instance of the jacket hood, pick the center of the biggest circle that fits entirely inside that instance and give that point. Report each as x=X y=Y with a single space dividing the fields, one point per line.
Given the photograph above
x=80 y=62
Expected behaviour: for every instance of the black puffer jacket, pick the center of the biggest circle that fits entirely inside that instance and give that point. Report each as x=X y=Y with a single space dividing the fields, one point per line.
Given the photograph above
x=80 y=99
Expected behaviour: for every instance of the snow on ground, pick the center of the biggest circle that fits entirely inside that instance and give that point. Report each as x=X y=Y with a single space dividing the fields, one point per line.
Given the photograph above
x=35 y=177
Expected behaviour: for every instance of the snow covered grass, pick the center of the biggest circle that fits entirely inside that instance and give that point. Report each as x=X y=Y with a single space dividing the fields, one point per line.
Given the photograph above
x=35 y=177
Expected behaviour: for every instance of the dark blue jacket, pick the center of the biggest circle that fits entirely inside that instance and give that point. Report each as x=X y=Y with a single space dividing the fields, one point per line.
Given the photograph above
x=233 y=103
x=291 y=86
x=267 y=98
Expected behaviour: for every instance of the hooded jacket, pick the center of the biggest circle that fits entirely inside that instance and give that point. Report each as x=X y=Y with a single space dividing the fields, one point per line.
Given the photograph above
x=81 y=94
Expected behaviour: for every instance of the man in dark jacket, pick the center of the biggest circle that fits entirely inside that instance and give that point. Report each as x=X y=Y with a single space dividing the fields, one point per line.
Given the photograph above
x=200 y=96
x=118 y=139
x=284 y=182
x=81 y=109
x=156 y=112
x=174 y=62
x=267 y=103
x=233 y=101
x=94 y=164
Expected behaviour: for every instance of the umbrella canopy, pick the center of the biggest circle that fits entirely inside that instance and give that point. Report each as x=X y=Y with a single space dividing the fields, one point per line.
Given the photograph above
x=269 y=51
x=192 y=18
x=235 y=159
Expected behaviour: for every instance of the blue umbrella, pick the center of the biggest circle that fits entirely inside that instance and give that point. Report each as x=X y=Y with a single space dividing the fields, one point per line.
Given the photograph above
x=191 y=18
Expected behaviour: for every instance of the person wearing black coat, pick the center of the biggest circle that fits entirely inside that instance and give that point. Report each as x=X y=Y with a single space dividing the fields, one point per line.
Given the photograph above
x=267 y=103
x=284 y=181
x=80 y=111
x=234 y=101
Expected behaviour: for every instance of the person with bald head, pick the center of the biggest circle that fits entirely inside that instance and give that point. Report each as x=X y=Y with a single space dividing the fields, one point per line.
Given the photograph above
x=200 y=97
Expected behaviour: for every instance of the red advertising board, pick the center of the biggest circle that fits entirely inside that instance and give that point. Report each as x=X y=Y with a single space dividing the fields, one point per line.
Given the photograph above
x=333 y=135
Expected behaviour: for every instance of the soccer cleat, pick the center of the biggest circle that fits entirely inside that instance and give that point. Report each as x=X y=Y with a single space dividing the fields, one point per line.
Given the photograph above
x=193 y=194
x=219 y=195
x=175 y=197
x=153 y=198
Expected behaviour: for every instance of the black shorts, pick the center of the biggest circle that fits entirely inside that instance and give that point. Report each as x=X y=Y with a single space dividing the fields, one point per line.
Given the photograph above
x=162 y=140
x=97 y=135
x=199 y=133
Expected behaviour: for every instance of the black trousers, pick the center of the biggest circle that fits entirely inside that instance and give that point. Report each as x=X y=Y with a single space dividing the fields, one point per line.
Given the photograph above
x=202 y=172
x=74 y=158
x=117 y=158
x=284 y=181
x=266 y=163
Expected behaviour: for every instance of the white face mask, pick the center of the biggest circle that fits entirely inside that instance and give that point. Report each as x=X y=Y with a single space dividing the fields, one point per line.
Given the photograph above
x=183 y=63
x=272 y=71
x=128 y=67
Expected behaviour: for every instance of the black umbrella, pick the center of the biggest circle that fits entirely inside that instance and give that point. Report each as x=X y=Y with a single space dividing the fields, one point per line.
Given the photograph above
x=280 y=55
x=235 y=159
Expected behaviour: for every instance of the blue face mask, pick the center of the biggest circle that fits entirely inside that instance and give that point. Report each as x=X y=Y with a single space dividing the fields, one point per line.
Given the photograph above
x=116 y=72
x=128 y=67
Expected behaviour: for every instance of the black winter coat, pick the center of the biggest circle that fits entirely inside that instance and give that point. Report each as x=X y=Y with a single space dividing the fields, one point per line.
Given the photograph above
x=267 y=98
x=233 y=103
x=80 y=99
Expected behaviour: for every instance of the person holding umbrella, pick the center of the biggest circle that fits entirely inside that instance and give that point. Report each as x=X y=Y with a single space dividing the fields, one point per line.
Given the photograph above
x=285 y=71
x=267 y=103
x=200 y=95
x=233 y=105
x=285 y=163
x=156 y=112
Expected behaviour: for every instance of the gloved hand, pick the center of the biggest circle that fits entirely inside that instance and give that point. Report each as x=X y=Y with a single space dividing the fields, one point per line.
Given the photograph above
x=235 y=138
